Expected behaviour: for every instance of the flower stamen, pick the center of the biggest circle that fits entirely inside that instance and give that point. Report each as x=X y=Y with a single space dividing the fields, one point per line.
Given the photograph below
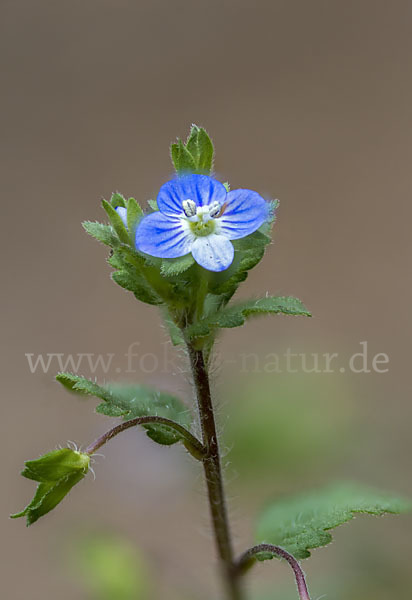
x=215 y=209
x=189 y=208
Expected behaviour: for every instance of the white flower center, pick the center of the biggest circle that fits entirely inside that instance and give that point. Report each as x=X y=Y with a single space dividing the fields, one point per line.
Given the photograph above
x=202 y=219
x=201 y=213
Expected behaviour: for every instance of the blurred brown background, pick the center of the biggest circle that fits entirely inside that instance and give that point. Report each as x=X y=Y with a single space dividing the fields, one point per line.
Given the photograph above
x=307 y=101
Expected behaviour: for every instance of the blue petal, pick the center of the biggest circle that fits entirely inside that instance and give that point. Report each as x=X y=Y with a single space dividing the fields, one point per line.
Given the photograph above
x=199 y=188
x=122 y=214
x=163 y=236
x=213 y=252
x=245 y=212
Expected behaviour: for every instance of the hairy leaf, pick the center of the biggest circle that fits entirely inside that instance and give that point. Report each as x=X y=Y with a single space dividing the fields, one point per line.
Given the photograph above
x=249 y=252
x=174 y=266
x=134 y=214
x=153 y=204
x=182 y=159
x=130 y=280
x=130 y=274
x=103 y=233
x=194 y=156
x=301 y=523
x=130 y=401
x=256 y=240
x=117 y=222
x=174 y=331
x=118 y=199
x=57 y=472
x=81 y=385
x=200 y=147
x=235 y=315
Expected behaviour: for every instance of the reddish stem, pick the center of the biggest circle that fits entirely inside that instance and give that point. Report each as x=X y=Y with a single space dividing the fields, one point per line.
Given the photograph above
x=192 y=444
x=248 y=558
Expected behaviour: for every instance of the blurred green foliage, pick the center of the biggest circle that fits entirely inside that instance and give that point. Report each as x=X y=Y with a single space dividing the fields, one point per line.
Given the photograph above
x=290 y=425
x=110 y=568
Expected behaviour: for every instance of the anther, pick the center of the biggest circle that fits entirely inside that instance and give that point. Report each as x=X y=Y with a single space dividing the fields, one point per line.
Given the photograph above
x=189 y=208
x=214 y=209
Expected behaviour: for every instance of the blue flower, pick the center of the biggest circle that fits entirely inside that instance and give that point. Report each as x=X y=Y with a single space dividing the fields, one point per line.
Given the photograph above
x=196 y=214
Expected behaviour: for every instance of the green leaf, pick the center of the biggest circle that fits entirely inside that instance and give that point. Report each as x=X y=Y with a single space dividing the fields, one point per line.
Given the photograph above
x=194 y=156
x=118 y=200
x=236 y=314
x=130 y=275
x=200 y=147
x=134 y=214
x=102 y=233
x=127 y=257
x=302 y=523
x=174 y=331
x=255 y=241
x=182 y=159
x=141 y=275
x=130 y=401
x=81 y=385
x=249 y=252
x=130 y=280
x=174 y=266
x=57 y=472
x=117 y=222
x=153 y=204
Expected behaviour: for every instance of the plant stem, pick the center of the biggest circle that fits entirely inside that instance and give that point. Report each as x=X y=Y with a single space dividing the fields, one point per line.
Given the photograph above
x=213 y=473
x=248 y=558
x=192 y=444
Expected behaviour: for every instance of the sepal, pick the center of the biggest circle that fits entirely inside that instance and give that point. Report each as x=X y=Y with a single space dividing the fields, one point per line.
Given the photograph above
x=134 y=214
x=118 y=199
x=194 y=156
x=57 y=472
x=117 y=222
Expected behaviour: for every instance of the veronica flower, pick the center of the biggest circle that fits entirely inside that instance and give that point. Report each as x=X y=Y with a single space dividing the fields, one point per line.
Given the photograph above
x=196 y=214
